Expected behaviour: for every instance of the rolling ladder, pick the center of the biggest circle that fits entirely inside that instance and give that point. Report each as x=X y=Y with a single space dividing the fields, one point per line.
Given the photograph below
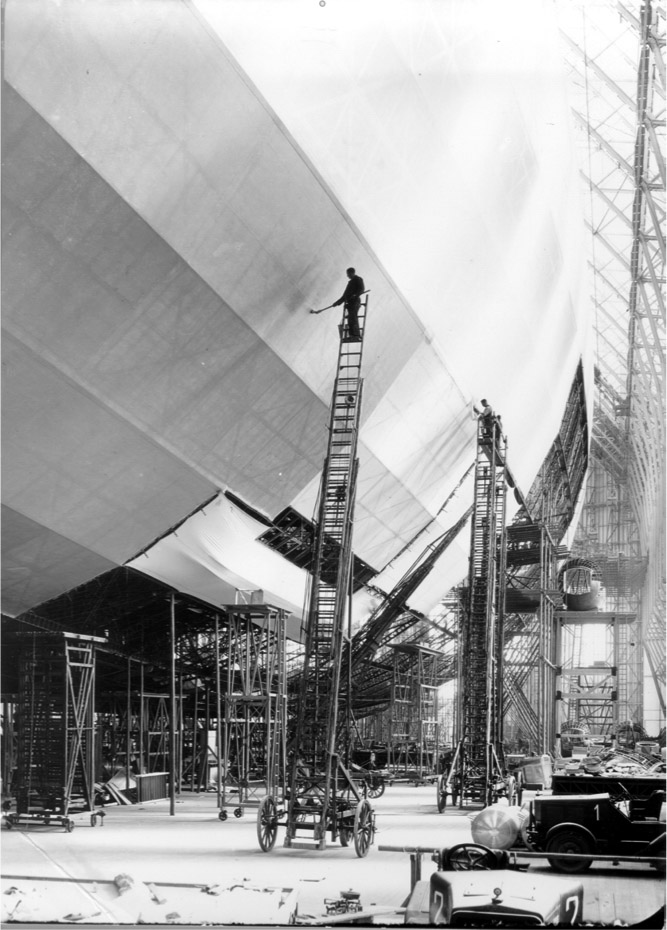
x=255 y=707
x=56 y=730
x=323 y=797
x=476 y=772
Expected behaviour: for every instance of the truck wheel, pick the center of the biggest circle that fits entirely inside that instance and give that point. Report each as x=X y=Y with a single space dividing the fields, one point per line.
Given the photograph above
x=568 y=841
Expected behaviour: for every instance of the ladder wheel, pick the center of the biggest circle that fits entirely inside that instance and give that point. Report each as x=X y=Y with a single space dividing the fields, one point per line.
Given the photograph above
x=69 y=825
x=238 y=812
x=364 y=828
x=267 y=824
x=222 y=815
x=375 y=786
x=442 y=793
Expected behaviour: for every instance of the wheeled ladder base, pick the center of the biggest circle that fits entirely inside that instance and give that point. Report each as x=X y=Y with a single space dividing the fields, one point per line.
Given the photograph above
x=322 y=844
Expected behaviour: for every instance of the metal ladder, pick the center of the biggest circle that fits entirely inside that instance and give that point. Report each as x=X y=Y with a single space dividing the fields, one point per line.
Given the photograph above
x=322 y=796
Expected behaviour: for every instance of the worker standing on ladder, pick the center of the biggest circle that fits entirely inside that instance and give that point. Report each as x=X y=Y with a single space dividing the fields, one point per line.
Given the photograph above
x=490 y=420
x=323 y=797
x=351 y=300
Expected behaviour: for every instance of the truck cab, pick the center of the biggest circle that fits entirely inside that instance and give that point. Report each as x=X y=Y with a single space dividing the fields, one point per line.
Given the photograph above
x=590 y=824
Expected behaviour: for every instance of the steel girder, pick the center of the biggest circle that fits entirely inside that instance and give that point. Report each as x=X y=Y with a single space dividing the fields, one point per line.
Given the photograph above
x=616 y=55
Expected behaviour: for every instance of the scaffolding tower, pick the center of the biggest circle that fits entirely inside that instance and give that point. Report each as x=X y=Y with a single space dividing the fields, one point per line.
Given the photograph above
x=531 y=600
x=597 y=657
x=476 y=772
x=413 y=749
x=254 y=720
x=323 y=797
x=55 y=729
x=133 y=729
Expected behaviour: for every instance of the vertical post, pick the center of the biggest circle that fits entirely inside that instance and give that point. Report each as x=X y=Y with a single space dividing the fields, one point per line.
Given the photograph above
x=616 y=633
x=348 y=698
x=542 y=673
x=179 y=717
x=233 y=646
x=415 y=869
x=172 y=708
x=558 y=714
x=128 y=725
x=195 y=723
x=547 y=667
x=543 y=668
x=9 y=755
x=218 y=711
x=142 y=723
x=203 y=781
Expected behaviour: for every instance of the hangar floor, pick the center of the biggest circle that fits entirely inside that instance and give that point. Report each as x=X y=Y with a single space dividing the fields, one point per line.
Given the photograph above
x=195 y=847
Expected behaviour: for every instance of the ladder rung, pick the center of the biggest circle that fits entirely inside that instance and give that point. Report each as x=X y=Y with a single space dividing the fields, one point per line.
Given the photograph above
x=303 y=845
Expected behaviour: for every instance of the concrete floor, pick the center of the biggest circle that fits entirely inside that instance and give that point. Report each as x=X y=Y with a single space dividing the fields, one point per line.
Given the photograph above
x=194 y=846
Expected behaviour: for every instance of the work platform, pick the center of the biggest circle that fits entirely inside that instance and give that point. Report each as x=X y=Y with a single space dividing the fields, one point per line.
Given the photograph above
x=594 y=616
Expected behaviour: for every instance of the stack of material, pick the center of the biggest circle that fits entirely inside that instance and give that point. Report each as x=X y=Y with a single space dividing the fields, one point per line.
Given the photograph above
x=609 y=762
x=118 y=788
x=622 y=765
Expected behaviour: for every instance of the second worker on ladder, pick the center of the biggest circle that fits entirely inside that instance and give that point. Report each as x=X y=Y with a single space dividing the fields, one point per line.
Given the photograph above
x=351 y=299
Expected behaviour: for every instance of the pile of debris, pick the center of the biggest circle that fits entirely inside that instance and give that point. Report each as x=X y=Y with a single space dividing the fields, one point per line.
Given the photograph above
x=619 y=762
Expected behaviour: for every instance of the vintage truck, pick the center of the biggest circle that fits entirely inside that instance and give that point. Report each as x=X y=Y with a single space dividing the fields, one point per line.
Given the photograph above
x=474 y=886
x=503 y=899
x=577 y=828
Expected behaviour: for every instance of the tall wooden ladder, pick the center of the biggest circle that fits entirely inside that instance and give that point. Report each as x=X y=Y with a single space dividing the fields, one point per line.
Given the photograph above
x=322 y=796
x=478 y=758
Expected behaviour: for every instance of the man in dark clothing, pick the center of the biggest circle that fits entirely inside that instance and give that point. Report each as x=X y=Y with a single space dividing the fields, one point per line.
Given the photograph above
x=490 y=420
x=351 y=299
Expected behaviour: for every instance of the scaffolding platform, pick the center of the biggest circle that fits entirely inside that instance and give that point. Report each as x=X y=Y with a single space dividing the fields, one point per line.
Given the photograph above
x=254 y=718
x=54 y=783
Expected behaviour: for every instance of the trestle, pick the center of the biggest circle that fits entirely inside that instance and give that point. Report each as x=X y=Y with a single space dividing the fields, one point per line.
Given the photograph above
x=254 y=720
